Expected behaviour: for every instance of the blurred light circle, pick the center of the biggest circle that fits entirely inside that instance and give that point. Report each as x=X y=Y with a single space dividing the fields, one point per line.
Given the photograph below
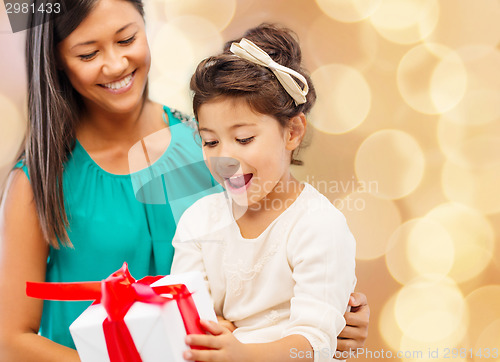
x=473 y=238
x=393 y=160
x=387 y=325
x=436 y=351
x=467 y=22
x=430 y=311
x=431 y=78
x=174 y=92
x=371 y=221
x=405 y=21
x=467 y=145
x=348 y=11
x=419 y=247
x=172 y=53
x=204 y=37
x=329 y=42
x=483 y=308
x=487 y=346
x=12 y=129
x=177 y=48
x=474 y=186
x=344 y=99
x=218 y=12
x=480 y=103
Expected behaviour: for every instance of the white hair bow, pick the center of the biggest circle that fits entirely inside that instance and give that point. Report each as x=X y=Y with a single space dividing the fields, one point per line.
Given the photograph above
x=247 y=50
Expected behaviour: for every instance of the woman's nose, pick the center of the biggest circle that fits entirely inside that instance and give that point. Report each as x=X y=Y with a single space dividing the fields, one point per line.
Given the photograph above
x=225 y=166
x=115 y=64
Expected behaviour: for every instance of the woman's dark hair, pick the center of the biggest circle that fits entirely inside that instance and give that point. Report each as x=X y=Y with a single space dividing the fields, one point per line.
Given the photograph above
x=53 y=110
x=227 y=75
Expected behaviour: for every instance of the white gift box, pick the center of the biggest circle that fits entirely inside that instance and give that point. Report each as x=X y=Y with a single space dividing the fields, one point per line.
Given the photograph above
x=157 y=330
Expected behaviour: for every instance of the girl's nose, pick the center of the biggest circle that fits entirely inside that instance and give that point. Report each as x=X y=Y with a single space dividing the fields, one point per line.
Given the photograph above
x=225 y=166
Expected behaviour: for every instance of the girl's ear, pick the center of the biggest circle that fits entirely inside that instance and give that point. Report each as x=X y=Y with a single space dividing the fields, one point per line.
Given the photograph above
x=295 y=131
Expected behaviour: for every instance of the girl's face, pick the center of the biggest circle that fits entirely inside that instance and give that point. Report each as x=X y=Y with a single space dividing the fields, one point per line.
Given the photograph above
x=107 y=57
x=247 y=152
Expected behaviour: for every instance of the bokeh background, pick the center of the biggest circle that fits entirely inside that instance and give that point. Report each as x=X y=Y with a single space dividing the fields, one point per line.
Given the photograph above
x=405 y=139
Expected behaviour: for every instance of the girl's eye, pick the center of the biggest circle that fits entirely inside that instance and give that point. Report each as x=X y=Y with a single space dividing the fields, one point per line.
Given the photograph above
x=244 y=141
x=88 y=56
x=127 y=41
x=210 y=143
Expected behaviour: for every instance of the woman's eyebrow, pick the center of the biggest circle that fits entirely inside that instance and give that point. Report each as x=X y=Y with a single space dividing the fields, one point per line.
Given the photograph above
x=93 y=41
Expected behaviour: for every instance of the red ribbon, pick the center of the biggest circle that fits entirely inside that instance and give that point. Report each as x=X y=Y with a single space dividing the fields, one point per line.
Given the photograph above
x=117 y=294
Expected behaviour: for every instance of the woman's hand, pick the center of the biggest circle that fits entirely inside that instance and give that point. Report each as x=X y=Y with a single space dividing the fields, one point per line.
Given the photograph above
x=225 y=323
x=354 y=335
x=221 y=344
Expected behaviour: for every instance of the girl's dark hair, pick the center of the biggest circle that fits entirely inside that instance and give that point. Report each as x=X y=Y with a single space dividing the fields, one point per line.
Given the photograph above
x=53 y=110
x=227 y=75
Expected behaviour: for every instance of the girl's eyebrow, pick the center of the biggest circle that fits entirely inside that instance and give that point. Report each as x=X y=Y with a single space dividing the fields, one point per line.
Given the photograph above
x=232 y=127
x=93 y=41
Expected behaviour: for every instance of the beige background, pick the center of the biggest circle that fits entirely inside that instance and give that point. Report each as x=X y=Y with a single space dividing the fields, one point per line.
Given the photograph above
x=405 y=139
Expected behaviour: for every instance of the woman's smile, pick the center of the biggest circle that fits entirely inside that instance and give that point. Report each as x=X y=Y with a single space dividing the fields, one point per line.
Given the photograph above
x=120 y=86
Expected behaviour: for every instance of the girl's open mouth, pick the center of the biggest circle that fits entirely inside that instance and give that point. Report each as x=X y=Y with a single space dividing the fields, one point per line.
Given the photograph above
x=239 y=183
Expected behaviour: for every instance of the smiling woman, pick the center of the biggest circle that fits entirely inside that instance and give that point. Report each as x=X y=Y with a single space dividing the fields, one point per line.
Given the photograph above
x=72 y=210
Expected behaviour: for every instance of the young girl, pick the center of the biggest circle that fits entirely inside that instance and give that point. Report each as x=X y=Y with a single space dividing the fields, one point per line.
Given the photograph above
x=278 y=257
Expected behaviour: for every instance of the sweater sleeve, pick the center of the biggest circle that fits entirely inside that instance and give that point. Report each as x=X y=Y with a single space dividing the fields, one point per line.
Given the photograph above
x=321 y=253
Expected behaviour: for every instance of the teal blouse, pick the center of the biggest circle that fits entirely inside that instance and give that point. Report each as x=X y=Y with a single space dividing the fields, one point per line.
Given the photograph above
x=123 y=218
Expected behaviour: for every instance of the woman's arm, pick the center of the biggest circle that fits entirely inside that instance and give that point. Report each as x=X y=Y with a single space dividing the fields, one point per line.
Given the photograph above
x=23 y=257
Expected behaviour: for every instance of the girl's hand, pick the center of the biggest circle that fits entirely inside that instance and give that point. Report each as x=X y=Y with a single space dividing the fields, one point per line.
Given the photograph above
x=225 y=323
x=354 y=335
x=223 y=346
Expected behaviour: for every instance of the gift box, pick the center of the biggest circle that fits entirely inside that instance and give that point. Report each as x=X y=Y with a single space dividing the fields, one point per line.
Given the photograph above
x=145 y=320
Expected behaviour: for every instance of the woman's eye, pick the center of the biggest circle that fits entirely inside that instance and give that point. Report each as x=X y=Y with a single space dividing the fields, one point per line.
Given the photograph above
x=88 y=56
x=127 y=41
x=244 y=141
x=210 y=143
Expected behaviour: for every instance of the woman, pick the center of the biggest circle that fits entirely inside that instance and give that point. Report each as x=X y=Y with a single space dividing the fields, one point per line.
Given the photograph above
x=71 y=210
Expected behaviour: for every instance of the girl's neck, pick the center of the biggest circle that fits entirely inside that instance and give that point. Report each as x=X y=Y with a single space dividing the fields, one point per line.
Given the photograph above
x=255 y=219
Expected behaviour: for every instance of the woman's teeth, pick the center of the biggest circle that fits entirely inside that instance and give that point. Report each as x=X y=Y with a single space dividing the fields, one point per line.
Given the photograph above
x=120 y=84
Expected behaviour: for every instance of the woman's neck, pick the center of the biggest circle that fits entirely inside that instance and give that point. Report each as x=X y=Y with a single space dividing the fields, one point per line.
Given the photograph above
x=103 y=126
x=99 y=130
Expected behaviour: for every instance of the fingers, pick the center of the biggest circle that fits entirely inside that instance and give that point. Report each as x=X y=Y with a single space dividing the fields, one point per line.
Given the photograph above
x=201 y=355
x=359 y=318
x=212 y=327
x=226 y=323
x=357 y=299
x=203 y=340
x=349 y=333
x=346 y=345
x=357 y=334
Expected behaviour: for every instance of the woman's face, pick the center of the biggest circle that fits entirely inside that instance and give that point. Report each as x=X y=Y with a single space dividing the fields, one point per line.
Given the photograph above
x=107 y=57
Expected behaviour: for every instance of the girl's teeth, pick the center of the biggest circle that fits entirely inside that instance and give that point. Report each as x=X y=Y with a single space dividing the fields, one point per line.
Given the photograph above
x=119 y=84
x=237 y=181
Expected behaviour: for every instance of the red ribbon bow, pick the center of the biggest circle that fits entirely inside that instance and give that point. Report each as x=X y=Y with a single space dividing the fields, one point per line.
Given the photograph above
x=117 y=294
